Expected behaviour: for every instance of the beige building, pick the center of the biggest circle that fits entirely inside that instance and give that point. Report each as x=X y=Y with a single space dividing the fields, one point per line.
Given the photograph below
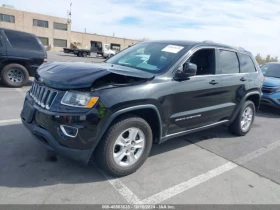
x=55 y=32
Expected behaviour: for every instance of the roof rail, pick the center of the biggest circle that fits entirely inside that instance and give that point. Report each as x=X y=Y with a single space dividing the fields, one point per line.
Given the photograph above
x=208 y=41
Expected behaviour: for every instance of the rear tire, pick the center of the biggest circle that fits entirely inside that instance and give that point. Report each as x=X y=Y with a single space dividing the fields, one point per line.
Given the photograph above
x=14 y=75
x=125 y=146
x=244 y=120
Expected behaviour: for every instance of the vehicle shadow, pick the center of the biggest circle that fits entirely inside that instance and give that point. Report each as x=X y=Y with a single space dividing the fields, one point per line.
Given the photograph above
x=27 y=164
x=193 y=138
x=268 y=112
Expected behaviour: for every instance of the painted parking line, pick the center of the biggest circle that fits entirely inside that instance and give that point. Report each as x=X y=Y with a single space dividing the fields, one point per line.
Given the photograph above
x=122 y=189
x=184 y=186
x=4 y=122
x=21 y=92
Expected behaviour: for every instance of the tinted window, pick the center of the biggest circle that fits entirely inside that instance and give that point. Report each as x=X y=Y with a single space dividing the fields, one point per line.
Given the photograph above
x=228 y=62
x=271 y=70
x=7 y=18
x=60 y=43
x=60 y=26
x=41 y=23
x=22 y=40
x=246 y=64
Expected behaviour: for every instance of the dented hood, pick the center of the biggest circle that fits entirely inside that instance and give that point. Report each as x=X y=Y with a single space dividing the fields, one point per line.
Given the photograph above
x=62 y=75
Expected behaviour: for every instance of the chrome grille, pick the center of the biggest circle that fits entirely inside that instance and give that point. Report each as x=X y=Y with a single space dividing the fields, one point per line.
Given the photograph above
x=269 y=90
x=42 y=95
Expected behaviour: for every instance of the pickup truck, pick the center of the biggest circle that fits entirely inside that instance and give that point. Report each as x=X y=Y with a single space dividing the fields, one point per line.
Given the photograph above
x=106 y=52
x=78 y=52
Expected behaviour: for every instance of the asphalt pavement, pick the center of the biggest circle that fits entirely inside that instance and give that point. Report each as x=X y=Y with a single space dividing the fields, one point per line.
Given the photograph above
x=208 y=167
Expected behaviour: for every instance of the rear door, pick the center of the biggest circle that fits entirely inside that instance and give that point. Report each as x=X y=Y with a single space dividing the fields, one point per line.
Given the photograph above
x=234 y=82
x=248 y=67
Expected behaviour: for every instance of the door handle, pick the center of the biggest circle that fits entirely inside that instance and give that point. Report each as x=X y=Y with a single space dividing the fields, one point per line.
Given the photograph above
x=243 y=79
x=213 y=82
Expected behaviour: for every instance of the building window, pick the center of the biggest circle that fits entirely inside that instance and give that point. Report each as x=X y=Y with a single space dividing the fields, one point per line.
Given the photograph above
x=60 y=26
x=40 y=23
x=44 y=40
x=7 y=18
x=60 y=43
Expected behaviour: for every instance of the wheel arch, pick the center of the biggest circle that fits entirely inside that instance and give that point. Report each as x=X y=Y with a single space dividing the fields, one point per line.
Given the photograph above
x=20 y=62
x=254 y=96
x=147 y=112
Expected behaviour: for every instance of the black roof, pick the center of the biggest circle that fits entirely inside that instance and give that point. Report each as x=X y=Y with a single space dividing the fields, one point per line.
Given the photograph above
x=7 y=29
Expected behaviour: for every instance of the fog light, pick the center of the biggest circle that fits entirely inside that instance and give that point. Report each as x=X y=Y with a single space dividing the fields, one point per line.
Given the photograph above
x=69 y=131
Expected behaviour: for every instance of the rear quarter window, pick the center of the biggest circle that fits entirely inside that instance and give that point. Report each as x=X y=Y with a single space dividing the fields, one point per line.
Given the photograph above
x=246 y=64
x=23 y=40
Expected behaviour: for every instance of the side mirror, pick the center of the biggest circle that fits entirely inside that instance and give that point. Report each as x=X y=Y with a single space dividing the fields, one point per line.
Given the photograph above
x=188 y=70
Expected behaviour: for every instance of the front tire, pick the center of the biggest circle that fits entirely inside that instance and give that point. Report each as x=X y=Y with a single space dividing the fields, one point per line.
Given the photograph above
x=125 y=146
x=14 y=75
x=244 y=120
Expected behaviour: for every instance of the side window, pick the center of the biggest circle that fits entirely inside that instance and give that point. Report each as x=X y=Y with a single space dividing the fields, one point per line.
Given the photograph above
x=205 y=61
x=246 y=64
x=22 y=40
x=228 y=62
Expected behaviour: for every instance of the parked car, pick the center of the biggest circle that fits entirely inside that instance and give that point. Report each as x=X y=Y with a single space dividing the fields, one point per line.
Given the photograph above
x=271 y=85
x=148 y=93
x=20 y=55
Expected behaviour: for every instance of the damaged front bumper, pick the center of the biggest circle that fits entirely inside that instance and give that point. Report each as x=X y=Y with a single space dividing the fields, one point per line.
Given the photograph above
x=48 y=141
x=71 y=136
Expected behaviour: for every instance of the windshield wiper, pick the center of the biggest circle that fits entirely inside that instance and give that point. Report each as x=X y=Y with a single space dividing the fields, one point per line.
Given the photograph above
x=131 y=66
x=127 y=65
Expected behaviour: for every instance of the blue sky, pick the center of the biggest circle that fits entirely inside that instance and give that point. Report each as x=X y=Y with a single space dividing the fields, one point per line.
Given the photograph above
x=251 y=24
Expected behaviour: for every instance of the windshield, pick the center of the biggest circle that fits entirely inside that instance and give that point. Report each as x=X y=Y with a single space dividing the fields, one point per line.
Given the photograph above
x=152 y=57
x=271 y=70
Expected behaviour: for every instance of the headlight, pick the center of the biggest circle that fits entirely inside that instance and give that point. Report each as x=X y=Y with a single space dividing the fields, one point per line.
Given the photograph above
x=77 y=99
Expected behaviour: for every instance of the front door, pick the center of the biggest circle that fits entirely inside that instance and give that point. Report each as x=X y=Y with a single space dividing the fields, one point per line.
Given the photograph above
x=198 y=101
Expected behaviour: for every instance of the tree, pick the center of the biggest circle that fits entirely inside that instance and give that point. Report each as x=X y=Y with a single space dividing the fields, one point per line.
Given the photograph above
x=267 y=59
x=259 y=58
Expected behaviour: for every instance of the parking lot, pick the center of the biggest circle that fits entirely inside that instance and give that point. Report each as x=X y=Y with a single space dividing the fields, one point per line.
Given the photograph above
x=208 y=167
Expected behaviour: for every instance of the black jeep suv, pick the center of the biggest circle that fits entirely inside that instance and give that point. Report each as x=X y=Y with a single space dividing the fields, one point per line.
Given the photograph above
x=20 y=55
x=148 y=93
